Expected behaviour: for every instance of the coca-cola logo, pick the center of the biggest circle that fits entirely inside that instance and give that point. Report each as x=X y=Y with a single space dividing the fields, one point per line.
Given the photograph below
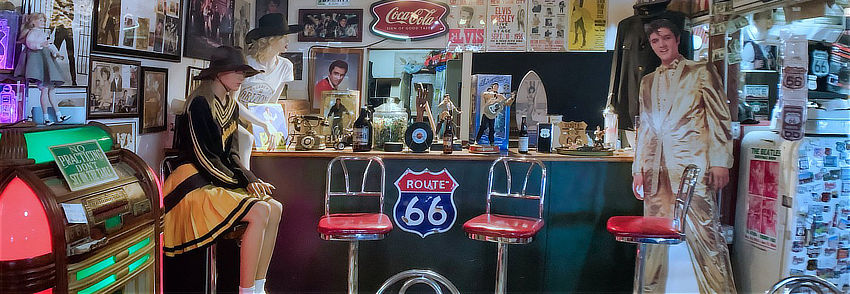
x=409 y=19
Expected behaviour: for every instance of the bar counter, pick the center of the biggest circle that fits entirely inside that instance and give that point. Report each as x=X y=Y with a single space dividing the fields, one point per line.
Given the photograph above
x=572 y=253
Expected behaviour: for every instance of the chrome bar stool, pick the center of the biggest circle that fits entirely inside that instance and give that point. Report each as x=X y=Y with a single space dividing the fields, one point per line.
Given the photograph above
x=354 y=227
x=797 y=284
x=508 y=229
x=644 y=230
x=235 y=233
x=417 y=276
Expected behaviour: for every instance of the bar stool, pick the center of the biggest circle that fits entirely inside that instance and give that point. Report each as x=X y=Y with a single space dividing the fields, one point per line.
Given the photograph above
x=419 y=276
x=354 y=227
x=645 y=230
x=234 y=233
x=508 y=229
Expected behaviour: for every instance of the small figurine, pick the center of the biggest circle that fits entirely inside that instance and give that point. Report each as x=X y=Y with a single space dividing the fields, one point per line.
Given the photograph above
x=599 y=138
x=38 y=64
x=448 y=110
x=493 y=103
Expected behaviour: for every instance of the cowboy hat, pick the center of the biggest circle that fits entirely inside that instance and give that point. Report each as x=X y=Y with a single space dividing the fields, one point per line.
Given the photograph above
x=225 y=59
x=272 y=24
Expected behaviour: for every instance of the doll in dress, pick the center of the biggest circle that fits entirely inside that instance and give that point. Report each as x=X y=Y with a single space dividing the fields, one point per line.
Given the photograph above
x=38 y=64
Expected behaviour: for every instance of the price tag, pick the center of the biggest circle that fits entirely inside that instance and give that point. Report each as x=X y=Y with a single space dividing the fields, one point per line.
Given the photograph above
x=74 y=213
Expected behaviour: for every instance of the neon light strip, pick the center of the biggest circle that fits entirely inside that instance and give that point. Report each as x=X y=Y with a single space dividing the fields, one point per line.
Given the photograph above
x=86 y=272
x=136 y=264
x=100 y=285
x=138 y=246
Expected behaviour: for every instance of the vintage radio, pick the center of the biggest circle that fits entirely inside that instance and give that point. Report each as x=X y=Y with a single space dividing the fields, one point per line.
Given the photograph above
x=101 y=239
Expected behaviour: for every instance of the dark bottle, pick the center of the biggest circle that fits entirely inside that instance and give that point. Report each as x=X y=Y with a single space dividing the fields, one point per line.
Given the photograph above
x=448 y=137
x=523 y=136
x=361 y=136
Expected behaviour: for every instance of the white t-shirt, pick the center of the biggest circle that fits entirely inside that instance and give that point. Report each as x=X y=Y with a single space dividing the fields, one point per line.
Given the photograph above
x=266 y=87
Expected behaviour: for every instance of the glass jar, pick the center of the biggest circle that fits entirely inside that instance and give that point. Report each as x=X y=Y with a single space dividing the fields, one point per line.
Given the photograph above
x=389 y=122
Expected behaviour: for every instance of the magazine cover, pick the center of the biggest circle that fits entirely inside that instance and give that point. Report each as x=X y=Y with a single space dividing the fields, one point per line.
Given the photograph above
x=273 y=113
x=496 y=109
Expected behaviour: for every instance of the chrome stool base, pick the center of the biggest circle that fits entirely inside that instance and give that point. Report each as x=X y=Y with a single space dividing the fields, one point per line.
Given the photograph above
x=417 y=276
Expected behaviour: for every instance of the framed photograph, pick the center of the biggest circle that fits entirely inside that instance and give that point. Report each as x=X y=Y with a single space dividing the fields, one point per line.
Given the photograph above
x=124 y=132
x=154 y=98
x=138 y=28
x=191 y=82
x=209 y=24
x=331 y=25
x=270 y=6
x=243 y=21
x=115 y=88
x=297 y=59
x=69 y=30
x=333 y=69
x=341 y=108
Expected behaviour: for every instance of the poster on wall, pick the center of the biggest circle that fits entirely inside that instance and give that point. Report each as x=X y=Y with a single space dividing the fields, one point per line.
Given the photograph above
x=124 y=132
x=466 y=25
x=115 y=88
x=243 y=20
x=586 y=29
x=270 y=6
x=138 y=28
x=208 y=25
x=762 y=197
x=548 y=21
x=70 y=26
x=506 y=28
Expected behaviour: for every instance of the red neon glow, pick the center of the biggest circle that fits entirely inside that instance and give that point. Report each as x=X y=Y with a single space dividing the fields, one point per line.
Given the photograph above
x=48 y=291
x=24 y=230
x=158 y=187
x=160 y=263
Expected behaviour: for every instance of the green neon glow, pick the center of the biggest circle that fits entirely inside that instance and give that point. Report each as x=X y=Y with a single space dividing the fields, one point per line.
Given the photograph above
x=100 y=285
x=139 y=245
x=136 y=264
x=38 y=142
x=103 y=264
x=112 y=222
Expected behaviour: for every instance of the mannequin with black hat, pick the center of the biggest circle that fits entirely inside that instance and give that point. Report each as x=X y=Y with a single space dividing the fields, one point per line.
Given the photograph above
x=210 y=191
x=265 y=44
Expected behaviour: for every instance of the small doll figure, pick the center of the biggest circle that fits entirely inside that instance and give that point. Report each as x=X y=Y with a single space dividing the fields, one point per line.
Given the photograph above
x=38 y=63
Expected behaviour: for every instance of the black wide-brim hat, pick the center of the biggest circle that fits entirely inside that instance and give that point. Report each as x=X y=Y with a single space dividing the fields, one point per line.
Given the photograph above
x=226 y=59
x=272 y=24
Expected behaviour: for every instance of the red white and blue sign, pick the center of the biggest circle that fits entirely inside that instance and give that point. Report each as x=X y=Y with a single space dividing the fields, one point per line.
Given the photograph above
x=425 y=202
x=409 y=19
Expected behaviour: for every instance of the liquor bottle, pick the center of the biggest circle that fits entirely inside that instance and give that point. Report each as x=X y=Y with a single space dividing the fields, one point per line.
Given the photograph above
x=361 y=137
x=523 y=136
x=448 y=137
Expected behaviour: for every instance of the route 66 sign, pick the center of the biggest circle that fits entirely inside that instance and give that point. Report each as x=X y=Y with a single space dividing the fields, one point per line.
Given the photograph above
x=425 y=202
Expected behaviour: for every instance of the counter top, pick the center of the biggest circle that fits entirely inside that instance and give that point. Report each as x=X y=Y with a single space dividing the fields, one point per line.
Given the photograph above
x=457 y=155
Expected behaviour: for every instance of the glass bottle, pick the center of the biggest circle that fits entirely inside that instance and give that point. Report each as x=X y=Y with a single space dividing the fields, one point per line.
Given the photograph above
x=361 y=137
x=448 y=137
x=523 y=136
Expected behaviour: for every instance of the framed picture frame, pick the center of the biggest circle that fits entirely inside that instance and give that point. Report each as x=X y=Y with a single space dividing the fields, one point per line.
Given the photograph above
x=264 y=7
x=152 y=107
x=151 y=29
x=331 y=25
x=125 y=132
x=333 y=69
x=191 y=82
x=114 y=90
x=243 y=21
x=297 y=59
x=204 y=31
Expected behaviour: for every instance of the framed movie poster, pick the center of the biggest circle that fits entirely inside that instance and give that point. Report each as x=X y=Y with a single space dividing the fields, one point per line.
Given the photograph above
x=138 y=28
x=124 y=132
x=270 y=6
x=243 y=21
x=191 y=82
x=154 y=99
x=209 y=24
x=114 y=90
x=333 y=69
x=331 y=25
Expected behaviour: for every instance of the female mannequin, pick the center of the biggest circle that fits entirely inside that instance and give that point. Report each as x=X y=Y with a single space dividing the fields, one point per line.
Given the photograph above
x=265 y=44
x=38 y=64
x=210 y=191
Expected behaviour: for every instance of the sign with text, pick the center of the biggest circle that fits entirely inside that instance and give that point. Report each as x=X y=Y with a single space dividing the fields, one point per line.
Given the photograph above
x=409 y=19
x=466 y=22
x=425 y=202
x=506 y=27
x=334 y=3
x=83 y=164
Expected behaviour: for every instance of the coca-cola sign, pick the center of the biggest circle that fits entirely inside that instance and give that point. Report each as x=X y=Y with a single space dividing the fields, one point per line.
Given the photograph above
x=409 y=19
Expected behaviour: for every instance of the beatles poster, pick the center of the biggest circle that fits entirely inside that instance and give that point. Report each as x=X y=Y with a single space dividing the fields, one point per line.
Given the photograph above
x=506 y=25
x=466 y=25
x=548 y=21
x=586 y=29
x=762 y=198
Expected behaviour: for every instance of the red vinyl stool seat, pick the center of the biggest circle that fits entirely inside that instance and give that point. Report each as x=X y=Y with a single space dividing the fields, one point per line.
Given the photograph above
x=644 y=227
x=354 y=226
x=645 y=230
x=503 y=229
x=515 y=229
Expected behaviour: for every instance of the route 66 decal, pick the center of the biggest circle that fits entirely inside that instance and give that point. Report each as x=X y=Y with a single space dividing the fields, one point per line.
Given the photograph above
x=425 y=202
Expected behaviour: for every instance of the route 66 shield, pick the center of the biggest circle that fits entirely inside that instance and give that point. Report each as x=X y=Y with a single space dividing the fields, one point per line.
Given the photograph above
x=425 y=202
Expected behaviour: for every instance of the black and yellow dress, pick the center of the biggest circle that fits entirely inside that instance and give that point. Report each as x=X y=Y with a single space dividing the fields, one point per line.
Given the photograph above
x=205 y=194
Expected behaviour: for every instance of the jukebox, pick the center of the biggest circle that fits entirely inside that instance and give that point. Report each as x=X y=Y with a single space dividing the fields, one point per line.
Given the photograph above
x=100 y=239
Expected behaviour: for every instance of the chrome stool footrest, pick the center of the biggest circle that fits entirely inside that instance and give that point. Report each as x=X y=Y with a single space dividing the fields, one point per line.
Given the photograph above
x=417 y=276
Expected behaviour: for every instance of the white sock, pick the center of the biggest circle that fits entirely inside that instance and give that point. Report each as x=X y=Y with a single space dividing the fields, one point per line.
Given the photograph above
x=46 y=118
x=58 y=114
x=249 y=290
x=260 y=286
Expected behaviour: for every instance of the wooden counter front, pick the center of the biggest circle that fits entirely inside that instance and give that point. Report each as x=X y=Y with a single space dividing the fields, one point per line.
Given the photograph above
x=457 y=155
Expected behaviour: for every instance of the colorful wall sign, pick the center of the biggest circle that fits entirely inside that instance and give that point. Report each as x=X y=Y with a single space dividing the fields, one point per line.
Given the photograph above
x=507 y=25
x=83 y=164
x=467 y=22
x=425 y=202
x=409 y=19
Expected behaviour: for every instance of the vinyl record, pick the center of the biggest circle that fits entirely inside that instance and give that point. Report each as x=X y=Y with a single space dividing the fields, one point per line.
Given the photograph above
x=419 y=137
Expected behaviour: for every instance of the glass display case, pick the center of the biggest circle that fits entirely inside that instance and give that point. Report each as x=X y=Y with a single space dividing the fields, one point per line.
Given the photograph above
x=389 y=122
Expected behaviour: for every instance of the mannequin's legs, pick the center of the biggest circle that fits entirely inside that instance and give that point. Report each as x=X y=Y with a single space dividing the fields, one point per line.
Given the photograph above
x=275 y=213
x=252 y=241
